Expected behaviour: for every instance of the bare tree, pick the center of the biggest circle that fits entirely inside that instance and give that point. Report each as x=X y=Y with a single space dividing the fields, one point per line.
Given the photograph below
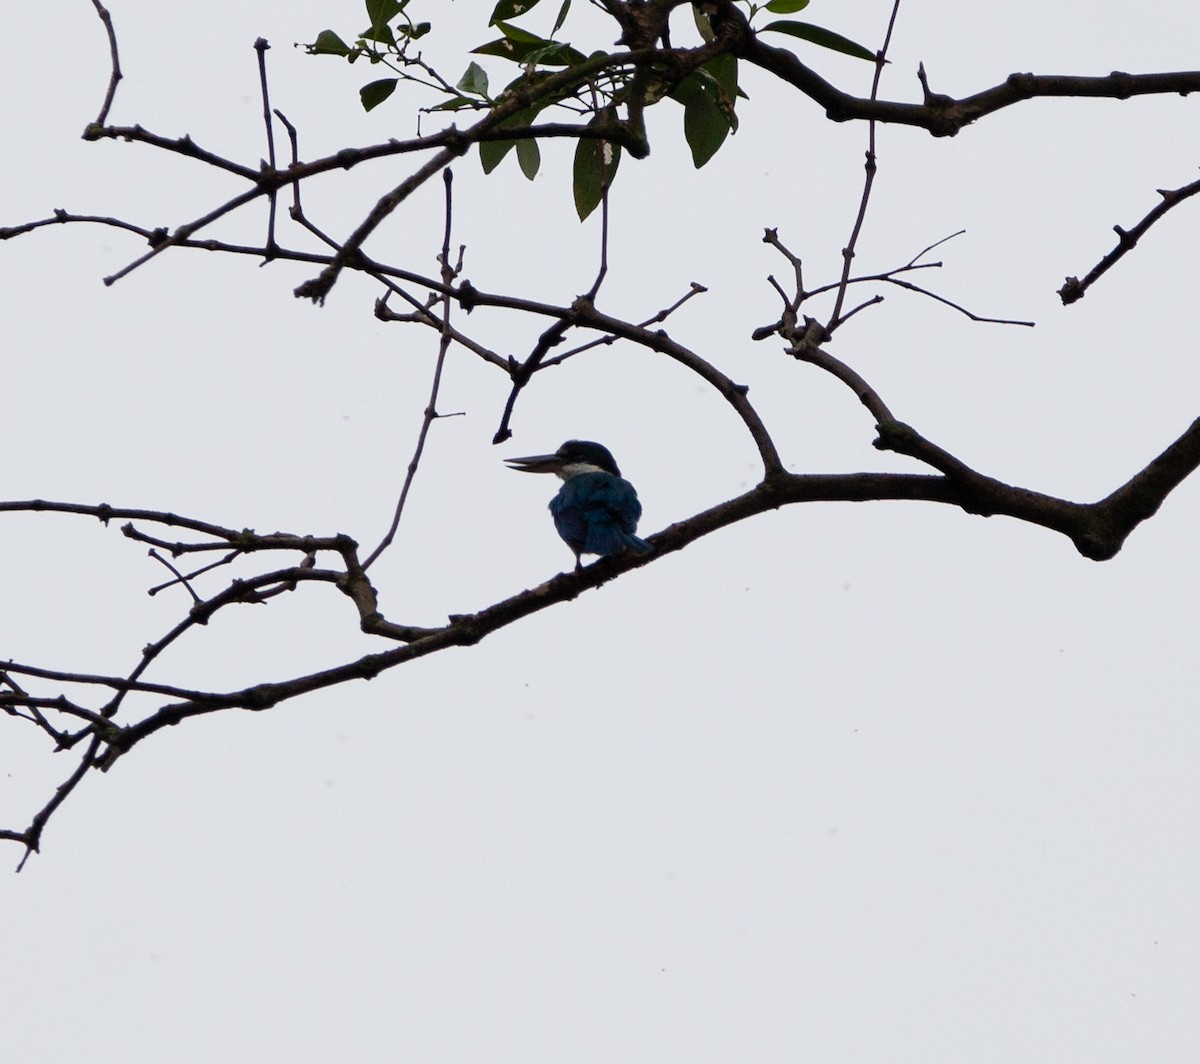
x=595 y=96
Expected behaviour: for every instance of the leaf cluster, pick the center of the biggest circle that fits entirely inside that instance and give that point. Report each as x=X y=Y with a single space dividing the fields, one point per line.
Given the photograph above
x=611 y=91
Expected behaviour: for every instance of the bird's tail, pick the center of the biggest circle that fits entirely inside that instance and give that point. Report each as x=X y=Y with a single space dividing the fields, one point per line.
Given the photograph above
x=611 y=539
x=637 y=544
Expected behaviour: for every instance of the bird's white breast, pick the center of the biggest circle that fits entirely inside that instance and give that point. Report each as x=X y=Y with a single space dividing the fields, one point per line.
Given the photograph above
x=575 y=468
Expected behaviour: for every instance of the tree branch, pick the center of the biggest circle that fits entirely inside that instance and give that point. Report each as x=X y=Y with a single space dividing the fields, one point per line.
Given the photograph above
x=944 y=116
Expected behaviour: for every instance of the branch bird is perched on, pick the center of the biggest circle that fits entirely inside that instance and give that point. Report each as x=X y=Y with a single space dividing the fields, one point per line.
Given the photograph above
x=596 y=511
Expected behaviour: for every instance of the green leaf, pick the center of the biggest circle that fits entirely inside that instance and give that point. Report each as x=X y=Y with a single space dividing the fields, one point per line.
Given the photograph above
x=455 y=103
x=562 y=17
x=381 y=12
x=381 y=35
x=474 y=82
x=596 y=163
x=507 y=9
x=376 y=92
x=548 y=53
x=708 y=96
x=824 y=38
x=724 y=71
x=515 y=33
x=529 y=155
x=705 y=129
x=492 y=153
x=786 y=7
x=328 y=43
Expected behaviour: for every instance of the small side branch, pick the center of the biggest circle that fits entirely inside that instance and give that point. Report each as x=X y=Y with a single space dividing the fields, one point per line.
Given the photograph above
x=807 y=348
x=871 y=166
x=449 y=272
x=31 y=837
x=114 y=76
x=261 y=47
x=1074 y=289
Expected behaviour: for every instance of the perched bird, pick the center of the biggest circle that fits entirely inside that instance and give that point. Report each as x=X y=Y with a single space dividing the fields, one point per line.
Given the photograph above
x=595 y=511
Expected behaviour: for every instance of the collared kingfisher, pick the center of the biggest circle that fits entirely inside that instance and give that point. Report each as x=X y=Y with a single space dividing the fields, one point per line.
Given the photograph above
x=596 y=511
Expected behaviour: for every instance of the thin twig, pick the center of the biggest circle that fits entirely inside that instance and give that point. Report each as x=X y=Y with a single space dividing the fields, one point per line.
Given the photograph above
x=912 y=263
x=449 y=272
x=602 y=272
x=184 y=232
x=909 y=286
x=115 y=71
x=871 y=166
x=607 y=340
x=294 y=139
x=31 y=837
x=261 y=46
x=422 y=314
x=227 y=560
x=179 y=577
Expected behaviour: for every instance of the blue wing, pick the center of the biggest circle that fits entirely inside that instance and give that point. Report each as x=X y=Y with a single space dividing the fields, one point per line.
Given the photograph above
x=597 y=513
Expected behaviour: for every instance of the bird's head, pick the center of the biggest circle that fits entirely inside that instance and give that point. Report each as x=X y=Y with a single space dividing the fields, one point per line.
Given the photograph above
x=572 y=458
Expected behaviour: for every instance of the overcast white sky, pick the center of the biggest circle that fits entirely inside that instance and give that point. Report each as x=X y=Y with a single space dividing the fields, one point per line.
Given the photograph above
x=842 y=784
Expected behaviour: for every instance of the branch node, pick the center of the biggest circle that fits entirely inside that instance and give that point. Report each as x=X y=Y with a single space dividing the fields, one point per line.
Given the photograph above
x=1071 y=291
x=466 y=295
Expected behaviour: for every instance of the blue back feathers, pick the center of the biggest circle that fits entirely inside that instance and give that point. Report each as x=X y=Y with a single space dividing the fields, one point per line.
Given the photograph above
x=597 y=513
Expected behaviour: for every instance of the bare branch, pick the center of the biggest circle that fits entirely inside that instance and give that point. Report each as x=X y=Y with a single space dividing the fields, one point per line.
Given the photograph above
x=115 y=60
x=662 y=315
x=31 y=837
x=184 y=146
x=183 y=233
x=910 y=287
x=871 y=165
x=806 y=348
x=944 y=116
x=1074 y=289
x=449 y=271
x=261 y=46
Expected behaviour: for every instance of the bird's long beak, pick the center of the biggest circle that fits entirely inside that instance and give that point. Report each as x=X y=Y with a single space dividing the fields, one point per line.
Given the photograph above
x=536 y=463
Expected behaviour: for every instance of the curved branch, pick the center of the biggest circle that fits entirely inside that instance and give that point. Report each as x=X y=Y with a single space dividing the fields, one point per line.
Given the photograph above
x=583 y=314
x=449 y=271
x=732 y=392
x=1097 y=530
x=115 y=75
x=1139 y=498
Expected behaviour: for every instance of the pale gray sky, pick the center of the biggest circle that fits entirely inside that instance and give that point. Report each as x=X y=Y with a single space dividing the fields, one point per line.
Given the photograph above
x=841 y=784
